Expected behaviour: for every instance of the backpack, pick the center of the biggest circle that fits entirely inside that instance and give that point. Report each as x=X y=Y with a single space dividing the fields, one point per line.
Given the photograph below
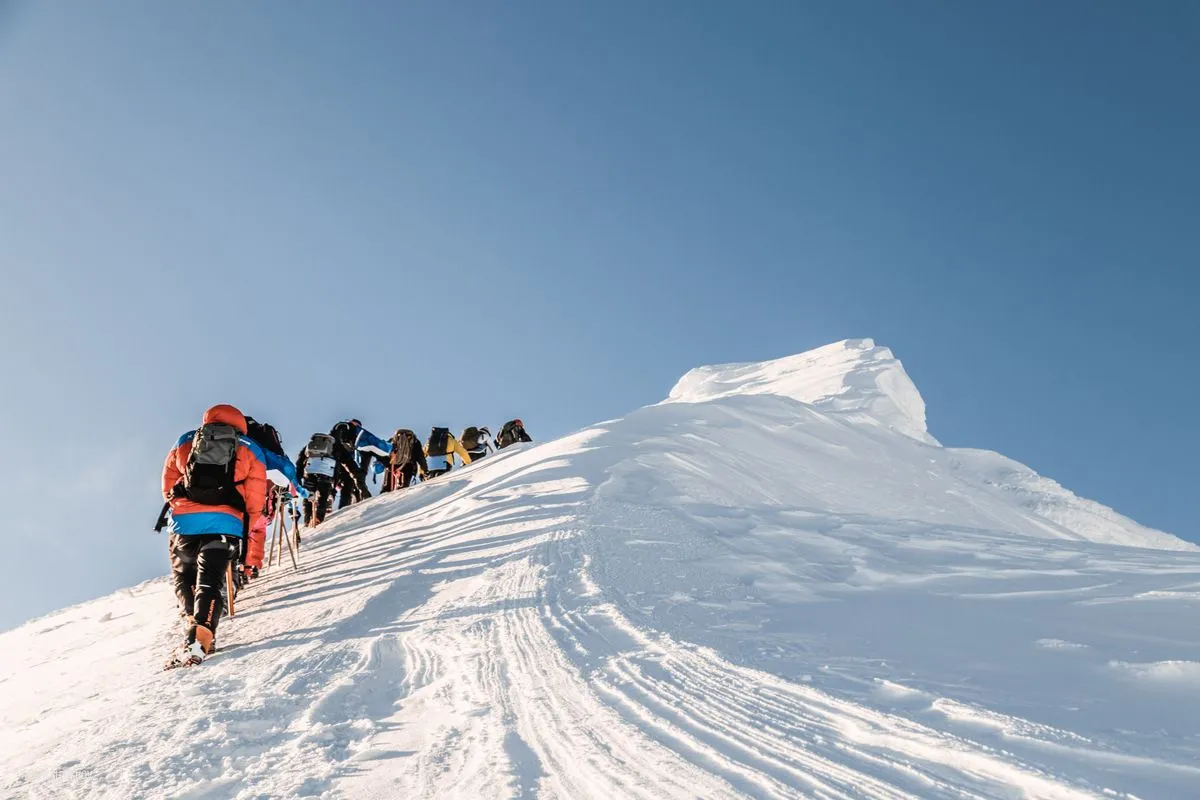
x=321 y=445
x=209 y=477
x=439 y=442
x=345 y=433
x=402 y=447
x=320 y=460
x=510 y=433
x=471 y=439
x=264 y=435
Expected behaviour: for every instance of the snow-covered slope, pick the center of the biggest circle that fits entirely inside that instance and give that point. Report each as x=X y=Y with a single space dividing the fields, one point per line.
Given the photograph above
x=772 y=586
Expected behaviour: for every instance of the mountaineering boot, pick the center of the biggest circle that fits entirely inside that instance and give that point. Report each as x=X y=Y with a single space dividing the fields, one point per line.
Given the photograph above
x=186 y=655
x=200 y=643
x=193 y=654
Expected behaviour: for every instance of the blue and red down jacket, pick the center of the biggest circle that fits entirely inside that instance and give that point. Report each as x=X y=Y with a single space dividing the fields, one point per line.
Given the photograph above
x=189 y=518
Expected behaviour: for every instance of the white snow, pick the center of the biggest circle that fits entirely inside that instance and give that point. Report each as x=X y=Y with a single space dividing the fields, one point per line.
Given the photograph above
x=853 y=378
x=776 y=584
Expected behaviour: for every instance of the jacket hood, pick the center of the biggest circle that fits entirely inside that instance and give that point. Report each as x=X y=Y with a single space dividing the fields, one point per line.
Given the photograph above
x=226 y=415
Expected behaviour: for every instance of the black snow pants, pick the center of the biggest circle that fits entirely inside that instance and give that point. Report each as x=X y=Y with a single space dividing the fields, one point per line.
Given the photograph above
x=318 y=502
x=353 y=482
x=198 y=571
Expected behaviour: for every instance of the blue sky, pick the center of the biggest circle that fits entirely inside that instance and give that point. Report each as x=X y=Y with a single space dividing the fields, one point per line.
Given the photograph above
x=419 y=213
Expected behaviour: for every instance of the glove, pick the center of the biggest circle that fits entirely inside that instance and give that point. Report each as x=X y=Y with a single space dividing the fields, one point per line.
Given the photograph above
x=378 y=467
x=302 y=493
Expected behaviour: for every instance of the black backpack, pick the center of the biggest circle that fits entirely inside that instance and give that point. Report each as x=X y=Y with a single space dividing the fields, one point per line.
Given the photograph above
x=264 y=435
x=511 y=433
x=345 y=433
x=209 y=477
x=439 y=442
x=402 y=447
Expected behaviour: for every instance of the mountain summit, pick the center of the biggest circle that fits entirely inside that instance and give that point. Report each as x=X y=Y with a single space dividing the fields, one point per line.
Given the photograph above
x=853 y=377
x=773 y=585
x=864 y=386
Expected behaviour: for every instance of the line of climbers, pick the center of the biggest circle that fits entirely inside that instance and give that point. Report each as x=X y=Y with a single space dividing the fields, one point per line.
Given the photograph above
x=224 y=482
x=338 y=462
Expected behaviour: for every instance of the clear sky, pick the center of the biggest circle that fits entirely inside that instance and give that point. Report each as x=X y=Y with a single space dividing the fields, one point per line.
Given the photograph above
x=417 y=213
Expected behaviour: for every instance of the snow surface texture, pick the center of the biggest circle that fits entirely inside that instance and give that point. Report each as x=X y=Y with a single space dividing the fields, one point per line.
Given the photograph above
x=772 y=586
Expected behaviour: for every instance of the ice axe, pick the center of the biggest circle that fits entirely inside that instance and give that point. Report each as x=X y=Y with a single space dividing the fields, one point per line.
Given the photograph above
x=162 y=518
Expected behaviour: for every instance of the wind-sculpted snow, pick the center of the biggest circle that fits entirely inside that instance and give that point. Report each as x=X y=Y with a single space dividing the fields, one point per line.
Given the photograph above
x=853 y=378
x=747 y=596
x=857 y=382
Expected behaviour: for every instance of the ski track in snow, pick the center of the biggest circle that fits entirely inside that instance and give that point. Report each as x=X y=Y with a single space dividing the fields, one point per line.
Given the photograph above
x=615 y=615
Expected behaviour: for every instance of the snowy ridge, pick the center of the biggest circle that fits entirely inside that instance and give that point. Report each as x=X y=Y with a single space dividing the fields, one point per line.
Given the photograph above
x=1059 y=506
x=741 y=596
x=852 y=376
x=856 y=380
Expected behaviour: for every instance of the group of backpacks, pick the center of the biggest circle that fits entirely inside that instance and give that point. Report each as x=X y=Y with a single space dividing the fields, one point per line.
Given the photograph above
x=338 y=462
x=410 y=461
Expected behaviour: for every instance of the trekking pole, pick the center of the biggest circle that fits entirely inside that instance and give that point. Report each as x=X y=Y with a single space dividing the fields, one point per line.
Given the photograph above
x=295 y=528
x=291 y=552
x=271 y=543
x=287 y=505
x=279 y=539
x=274 y=541
x=282 y=505
x=229 y=585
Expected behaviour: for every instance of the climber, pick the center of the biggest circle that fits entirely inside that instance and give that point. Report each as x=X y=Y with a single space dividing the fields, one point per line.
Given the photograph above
x=440 y=451
x=364 y=446
x=406 y=461
x=280 y=472
x=323 y=464
x=476 y=442
x=214 y=480
x=512 y=432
